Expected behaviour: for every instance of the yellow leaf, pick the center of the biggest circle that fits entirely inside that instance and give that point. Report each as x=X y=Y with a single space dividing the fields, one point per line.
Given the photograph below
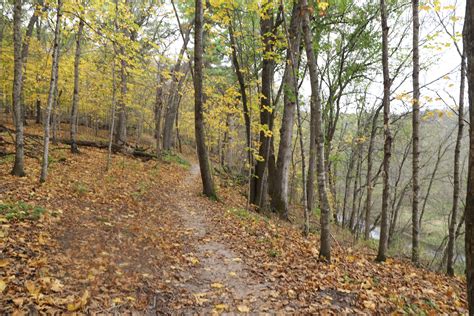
x=42 y=240
x=243 y=309
x=4 y=263
x=220 y=307
x=193 y=260
x=274 y=294
x=56 y=285
x=32 y=288
x=369 y=305
x=217 y=285
x=3 y=285
x=19 y=301
x=291 y=294
x=72 y=307
x=323 y=6
x=200 y=298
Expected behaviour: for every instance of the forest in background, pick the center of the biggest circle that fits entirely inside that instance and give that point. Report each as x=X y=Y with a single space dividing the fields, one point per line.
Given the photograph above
x=337 y=116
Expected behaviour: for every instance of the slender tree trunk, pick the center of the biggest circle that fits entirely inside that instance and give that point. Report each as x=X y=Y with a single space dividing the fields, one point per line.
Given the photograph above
x=112 y=123
x=347 y=186
x=383 y=242
x=52 y=88
x=25 y=49
x=18 y=167
x=415 y=256
x=38 y=110
x=121 y=133
x=307 y=211
x=206 y=174
x=456 y=180
x=177 y=82
x=178 y=136
x=279 y=200
x=268 y=64
x=311 y=161
x=368 y=200
x=325 y=247
x=469 y=213
x=2 y=30
x=55 y=115
x=75 y=96
x=38 y=115
x=243 y=92
x=158 y=110
x=355 y=192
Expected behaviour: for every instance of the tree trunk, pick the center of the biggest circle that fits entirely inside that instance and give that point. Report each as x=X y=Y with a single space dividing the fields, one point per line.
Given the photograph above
x=257 y=186
x=38 y=110
x=25 y=49
x=158 y=110
x=368 y=200
x=279 y=200
x=75 y=96
x=2 y=30
x=113 y=110
x=307 y=211
x=52 y=88
x=456 y=177
x=318 y=137
x=415 y=256
x=347 y=187
x=55 y=118
x=387 y=150
x=355 y=191
x=243 y=93
x=176 y=85
x=206 y=175
x=178 y=136
x=18 y=167
x=121 y=132
x=469 y=213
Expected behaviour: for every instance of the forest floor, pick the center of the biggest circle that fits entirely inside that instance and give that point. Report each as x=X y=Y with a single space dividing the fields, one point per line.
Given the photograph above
x=141 y=238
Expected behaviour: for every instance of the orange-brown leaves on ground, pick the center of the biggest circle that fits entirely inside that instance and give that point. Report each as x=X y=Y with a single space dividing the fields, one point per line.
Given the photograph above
x=141 y=238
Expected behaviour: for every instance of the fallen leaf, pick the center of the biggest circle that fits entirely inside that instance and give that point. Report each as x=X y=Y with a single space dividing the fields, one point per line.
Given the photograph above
x=72 y=307
x=291 y=294
x=369 y=305
x=32 y=288
x=3 y=285
x=117 y=300
x=19 y=301
x=220 y=307
x=274 y=294
x=243 y=309
x=217 y=285
x=4 y=263
x=56 y=285
x=200 y=298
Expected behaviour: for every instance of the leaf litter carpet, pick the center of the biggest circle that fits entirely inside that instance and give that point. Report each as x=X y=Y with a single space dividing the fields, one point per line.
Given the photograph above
x=141 y=239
